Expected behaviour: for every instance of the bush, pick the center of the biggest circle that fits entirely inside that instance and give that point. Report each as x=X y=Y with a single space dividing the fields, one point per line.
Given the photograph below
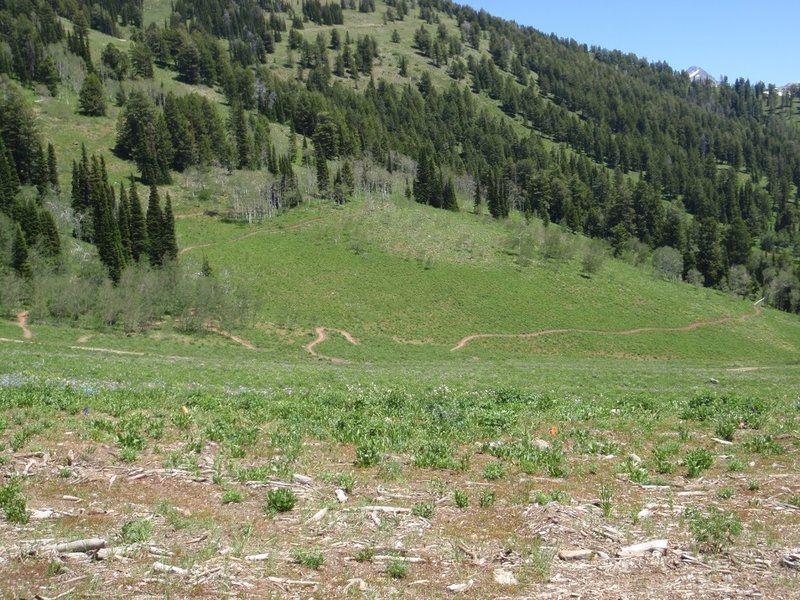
x=494 y=471
x=460 y=498
x=231 y=497
x=668 y=263
x=137 y=531
x=397 y=569
x=280 y=500
x=697 y=461
x=13 y=503
x=368 y=454
x=713 y=530
x=313 y=559
x=423 y=509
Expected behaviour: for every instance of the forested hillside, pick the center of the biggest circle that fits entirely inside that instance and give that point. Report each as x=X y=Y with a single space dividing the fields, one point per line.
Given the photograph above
x=704 y=177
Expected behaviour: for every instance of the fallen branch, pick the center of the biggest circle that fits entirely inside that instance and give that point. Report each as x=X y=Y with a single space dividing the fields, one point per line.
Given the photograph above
x=88 y=545
x=162 y=568
x=383 y=509
x=300 y=582
x=644 y=548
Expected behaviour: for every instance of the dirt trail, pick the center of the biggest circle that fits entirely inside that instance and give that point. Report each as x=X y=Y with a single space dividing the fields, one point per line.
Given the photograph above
x=250 y=234
x=22 y=323
x=235 y=338
x=544 y=332
x=108 y=350
x=322 y=335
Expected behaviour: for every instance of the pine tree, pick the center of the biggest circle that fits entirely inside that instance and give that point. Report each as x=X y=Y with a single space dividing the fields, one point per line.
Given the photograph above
x=241 y=136
x=348 y=180
x=92 y=97
x=709 y=252
x=155 y=228
x=9 y=183
x=449 y=201
x=477 y=198
x=19 y=254
x=124 y=223
x=51 y=242
x=52 y=168
x=323 y=177
x=138 y=226
x=168 y=242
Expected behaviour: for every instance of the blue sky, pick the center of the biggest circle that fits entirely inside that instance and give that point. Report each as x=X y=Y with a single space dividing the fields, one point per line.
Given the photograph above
x=755 y=40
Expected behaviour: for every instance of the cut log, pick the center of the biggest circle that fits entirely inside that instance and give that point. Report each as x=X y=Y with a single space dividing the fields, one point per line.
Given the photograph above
x=299 y=582
x=576 y=554
x=257 y=557
x=173 y=570
x=384 y=509
x=341 y=496
x=88 y=545
x=644 y=548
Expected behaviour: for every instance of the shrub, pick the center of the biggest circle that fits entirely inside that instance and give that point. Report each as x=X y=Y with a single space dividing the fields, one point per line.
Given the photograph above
x=137 y=531
x=697 y=461
x=397 y=569
x=280 y=500
x=494 y=471
x=368 y=454
x=423 y=509
x=365 y=555
x=13 y=502
x=487 y=499
x=713 y=530
x=313 y=559
x=231 y=497
x=460 y=498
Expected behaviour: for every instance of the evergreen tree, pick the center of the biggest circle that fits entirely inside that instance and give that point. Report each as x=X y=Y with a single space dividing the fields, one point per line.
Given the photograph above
x=139 y=242
x=92 y=97
x=51 y=241
x=709 y=252
x=168 y=241
x=242 y=138
x=449 y=201
x=424 y=181
x=52 y=168
x=323 y=177
x=124 y=223
x=155 y=229
x=19 y=254
x=143 y=136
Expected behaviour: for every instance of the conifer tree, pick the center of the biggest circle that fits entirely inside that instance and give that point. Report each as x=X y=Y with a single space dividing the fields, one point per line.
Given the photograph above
x=92 y=97
x=9 y=183
x=323 y=177
x=19 y=254
x=449 y=201
x=168 y=242
x=155 y=228
x=139 y=242
x=241 y=136
x=124 y=223
x=51 y=242
x=52 y=168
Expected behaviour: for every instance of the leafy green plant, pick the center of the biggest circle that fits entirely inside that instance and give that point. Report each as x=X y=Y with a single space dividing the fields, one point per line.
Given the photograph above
x=423 y=509
x=460 y=498
x=280 y=500
x=365 y=555
x=697 y=460
x=661 y=458
x=725 y=428
x=713 y=530
x=312 y=559
x=726 y=493
x=54 y=567
x=764 y=445
x=487 y=499
x=346 y=481
x=397 y=569
x=368 y=454
x=231 y=496
x=606 y=497
x=794 y=500
x=494 y=471
x=545 y=498
x=136 y=531
x=13 y=502
x=753 y=485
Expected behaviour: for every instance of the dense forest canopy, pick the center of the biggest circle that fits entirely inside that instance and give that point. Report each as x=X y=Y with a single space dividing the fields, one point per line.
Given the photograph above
x=601 y=142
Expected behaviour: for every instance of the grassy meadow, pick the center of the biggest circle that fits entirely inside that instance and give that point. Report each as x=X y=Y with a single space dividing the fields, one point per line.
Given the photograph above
x=598 y=407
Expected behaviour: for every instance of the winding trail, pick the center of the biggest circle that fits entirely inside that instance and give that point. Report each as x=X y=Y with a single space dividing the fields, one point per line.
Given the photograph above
x=250 y=234
x=544 y=332
x=226 y=334
x=22 y=323
x=322 y=335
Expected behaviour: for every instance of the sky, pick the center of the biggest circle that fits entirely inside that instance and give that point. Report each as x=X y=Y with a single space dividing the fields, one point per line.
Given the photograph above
x=754 y=40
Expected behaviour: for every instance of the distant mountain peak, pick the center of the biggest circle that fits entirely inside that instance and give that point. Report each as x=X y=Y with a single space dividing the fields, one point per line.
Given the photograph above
x=698 y=73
